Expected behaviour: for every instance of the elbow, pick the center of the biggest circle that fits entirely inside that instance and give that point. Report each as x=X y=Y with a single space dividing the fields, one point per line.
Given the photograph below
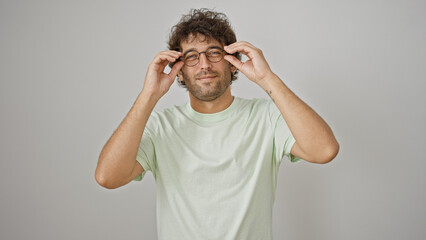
x=103 y=181
x=330 y=152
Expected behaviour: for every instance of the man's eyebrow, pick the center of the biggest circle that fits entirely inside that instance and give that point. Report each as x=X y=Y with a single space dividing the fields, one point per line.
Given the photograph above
x=193 y=49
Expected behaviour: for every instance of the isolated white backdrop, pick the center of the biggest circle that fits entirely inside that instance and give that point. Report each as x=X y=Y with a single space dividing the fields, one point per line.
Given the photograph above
x=71 y=70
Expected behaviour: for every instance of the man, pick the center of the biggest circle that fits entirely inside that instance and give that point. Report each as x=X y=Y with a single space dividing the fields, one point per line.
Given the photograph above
x=215 y=159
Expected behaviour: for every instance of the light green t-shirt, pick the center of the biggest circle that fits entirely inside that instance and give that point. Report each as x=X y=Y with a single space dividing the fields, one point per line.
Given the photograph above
x=215 y=174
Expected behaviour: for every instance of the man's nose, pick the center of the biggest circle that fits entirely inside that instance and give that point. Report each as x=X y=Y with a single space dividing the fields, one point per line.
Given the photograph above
x=204 y=62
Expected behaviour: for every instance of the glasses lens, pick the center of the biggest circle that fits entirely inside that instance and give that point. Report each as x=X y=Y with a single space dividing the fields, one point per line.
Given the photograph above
x=191 y=58
x=214 y=54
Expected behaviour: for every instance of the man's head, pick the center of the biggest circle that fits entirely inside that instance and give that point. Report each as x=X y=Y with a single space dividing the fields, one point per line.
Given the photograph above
x=202 y=25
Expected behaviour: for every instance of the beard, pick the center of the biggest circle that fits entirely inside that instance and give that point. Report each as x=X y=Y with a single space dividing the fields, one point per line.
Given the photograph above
x=207 y=91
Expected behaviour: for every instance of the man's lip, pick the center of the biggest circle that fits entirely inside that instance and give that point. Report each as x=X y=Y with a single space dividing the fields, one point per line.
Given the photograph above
x=204 y=77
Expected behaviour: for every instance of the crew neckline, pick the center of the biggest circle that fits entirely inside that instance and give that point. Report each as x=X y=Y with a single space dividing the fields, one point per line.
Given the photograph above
x=212 y=117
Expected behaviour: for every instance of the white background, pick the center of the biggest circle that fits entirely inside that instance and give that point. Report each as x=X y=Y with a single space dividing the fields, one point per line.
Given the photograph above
x=71 y=70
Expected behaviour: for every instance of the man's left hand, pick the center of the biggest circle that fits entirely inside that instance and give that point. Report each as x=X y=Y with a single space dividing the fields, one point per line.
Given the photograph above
x=256 y=68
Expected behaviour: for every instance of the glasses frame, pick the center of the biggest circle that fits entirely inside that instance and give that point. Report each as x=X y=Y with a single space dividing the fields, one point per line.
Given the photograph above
x=199 y=54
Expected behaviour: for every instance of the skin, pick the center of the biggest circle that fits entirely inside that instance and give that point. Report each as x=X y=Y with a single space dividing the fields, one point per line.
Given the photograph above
x=315 y=141
x=207 y=83
x=209 y=92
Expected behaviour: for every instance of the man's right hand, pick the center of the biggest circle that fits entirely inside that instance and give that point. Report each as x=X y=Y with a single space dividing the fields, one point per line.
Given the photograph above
x=157 y=82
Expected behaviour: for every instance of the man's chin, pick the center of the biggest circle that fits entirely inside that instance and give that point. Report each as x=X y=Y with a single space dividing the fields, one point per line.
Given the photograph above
x=207 y=91
x=205 y=98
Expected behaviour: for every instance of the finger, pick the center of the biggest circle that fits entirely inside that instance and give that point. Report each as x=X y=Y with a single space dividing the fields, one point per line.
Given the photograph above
x=162 y=60
x=234 y=61
x=170 y=57
x=173 y=51
x=241 y=43
x=170 y=52
x=243 y=48
x=173 y=54
x=175 y=69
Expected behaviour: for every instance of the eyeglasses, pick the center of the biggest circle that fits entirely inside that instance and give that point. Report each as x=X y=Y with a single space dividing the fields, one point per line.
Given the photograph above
x=213 y=54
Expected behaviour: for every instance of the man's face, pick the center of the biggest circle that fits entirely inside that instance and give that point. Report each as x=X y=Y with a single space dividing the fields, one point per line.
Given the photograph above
x=206 y=81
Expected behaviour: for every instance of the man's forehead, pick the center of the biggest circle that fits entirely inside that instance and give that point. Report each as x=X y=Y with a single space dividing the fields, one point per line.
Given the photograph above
x=192 y=41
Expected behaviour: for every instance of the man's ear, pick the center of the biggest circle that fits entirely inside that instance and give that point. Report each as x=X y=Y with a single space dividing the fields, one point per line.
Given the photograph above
x=180 y=76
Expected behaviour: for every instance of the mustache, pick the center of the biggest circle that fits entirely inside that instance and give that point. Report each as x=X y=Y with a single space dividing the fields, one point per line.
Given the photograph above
x=204 y=73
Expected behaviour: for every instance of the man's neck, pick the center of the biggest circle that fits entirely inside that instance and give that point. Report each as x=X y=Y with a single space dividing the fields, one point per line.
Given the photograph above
x=219 y=104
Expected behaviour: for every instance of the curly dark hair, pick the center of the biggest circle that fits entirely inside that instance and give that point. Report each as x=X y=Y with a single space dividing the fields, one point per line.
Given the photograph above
x=208 y=23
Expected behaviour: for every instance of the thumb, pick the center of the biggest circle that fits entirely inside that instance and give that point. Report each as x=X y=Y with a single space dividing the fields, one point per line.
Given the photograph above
x=234 y=61
x=175 y=69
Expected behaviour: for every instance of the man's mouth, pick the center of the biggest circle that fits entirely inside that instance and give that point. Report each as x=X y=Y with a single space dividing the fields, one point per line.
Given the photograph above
x=206 y=77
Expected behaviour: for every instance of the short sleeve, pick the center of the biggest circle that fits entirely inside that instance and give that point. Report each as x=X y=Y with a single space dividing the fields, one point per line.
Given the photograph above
x=283 y=138
x=146 y=155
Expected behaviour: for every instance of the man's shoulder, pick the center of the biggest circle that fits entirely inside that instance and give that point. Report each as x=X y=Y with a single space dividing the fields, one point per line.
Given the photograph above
x=162 y=117
x=254 y=103
x=167 y=112
x=253 y=99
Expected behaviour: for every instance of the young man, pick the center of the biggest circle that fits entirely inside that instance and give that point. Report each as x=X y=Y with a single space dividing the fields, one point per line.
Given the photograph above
x=215 y=159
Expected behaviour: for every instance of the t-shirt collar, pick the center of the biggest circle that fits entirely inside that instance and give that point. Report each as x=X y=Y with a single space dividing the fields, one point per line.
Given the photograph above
x=212 y=117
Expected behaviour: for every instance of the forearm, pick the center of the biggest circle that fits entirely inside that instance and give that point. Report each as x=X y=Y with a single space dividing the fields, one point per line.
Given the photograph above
x=313 y=135
x=117 y=158
x=315 y=141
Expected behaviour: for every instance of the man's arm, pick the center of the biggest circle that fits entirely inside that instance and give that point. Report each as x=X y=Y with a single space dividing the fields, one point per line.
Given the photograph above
x=315 y=141
x=117 y=160
x=117 y=164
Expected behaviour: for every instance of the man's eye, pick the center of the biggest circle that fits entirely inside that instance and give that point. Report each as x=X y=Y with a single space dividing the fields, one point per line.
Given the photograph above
x=215 y=53
x=191 y=56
